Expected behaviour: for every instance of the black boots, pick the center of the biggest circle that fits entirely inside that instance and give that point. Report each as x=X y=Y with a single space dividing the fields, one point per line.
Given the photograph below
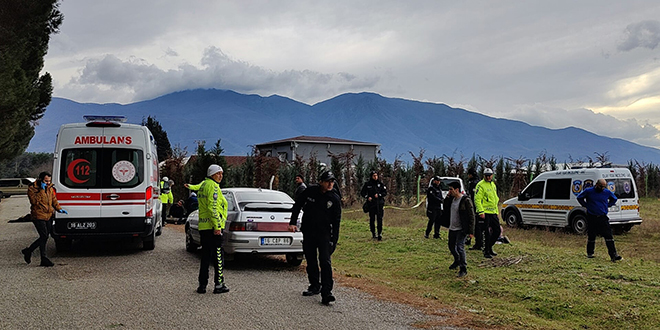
x=462 y=272
x=326 y=300
x=220 y=288
x=27 y=255
x=311 y=291
x=45 y=262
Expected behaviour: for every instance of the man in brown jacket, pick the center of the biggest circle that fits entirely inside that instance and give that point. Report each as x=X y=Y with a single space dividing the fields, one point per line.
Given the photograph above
x=43 y=204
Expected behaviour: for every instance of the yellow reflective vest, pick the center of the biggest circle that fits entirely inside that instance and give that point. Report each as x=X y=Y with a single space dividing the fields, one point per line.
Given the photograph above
x=485 y=197
x=212 y=206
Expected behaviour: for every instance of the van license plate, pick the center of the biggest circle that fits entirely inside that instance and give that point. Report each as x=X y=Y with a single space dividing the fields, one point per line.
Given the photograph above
x=276 y=241
x=81 y=225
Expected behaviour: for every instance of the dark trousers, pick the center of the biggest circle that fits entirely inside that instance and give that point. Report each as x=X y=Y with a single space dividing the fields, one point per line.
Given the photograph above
x=479 y=233
x=457 y=247
x=211 y=252
x=599 y=225
x=492 y=232
x=321 y=244
x=44 y=228
x=434 y=220
x=376 y=213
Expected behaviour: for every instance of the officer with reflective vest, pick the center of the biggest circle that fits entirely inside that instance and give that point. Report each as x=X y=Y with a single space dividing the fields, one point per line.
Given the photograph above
x=486 y=202
x=212 y=217
x=166 y=197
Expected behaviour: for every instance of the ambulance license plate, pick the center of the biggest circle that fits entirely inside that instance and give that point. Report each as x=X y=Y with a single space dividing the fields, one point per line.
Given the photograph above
x=276 y=241
x=81 y=225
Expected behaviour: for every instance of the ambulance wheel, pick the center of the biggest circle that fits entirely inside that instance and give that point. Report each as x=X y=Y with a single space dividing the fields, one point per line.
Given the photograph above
x=63 y=244
x=149 y=243
x=512 y=218
x=579 y=224
x=294 y=259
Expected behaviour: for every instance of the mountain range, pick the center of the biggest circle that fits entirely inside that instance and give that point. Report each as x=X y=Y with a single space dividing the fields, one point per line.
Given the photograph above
x=399 y=125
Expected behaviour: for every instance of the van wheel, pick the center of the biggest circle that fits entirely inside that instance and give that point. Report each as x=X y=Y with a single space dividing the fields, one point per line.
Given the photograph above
x=63 y=244
x=512 y=218
x=294 y=259
x=579 y=224
x=149 y=243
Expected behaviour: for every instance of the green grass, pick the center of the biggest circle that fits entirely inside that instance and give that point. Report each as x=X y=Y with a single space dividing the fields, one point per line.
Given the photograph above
x=542 y=280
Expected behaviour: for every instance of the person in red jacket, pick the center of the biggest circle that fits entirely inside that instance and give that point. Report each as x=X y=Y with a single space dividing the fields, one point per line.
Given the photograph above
x=43 y=204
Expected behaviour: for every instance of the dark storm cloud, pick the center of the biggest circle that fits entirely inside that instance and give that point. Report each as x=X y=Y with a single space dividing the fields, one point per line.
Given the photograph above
x=645 y=34
x=218 y=70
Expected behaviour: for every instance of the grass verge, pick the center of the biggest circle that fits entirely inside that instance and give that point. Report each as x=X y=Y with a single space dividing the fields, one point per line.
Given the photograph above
x=542 y=280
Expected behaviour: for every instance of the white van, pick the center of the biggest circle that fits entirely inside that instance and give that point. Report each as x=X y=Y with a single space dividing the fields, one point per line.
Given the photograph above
x=550 y=200
x=106 y=176
x=14 y=186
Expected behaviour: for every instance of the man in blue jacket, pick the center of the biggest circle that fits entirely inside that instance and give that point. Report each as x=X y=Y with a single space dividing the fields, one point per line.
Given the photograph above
x=597 y=200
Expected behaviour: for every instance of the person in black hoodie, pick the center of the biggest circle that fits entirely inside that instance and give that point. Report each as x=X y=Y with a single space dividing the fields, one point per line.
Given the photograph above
x=374 y=191
x=458 y=216
x=434 y=207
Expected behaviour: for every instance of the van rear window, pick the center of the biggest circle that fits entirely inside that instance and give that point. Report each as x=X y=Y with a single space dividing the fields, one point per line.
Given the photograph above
x=102 y=168
x=623 y=188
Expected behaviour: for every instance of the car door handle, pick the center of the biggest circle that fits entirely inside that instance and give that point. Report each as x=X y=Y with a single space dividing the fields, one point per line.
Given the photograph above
x=540 y=202
x=113 y=197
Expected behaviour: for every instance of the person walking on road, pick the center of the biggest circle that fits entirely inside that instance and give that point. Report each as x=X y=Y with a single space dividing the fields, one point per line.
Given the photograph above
x=301 y=186
x=597 y=200
x=43 y=205
x=212 y=217
x=486 y=201
x=321 y=207
x=375 y=191
x=459 y=218
x=434 y=207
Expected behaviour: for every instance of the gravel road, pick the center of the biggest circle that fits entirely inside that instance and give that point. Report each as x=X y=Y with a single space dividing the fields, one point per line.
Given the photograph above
x=115 y=285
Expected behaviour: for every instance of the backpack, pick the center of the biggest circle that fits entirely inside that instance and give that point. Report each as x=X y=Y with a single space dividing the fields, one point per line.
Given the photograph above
x=165 y=188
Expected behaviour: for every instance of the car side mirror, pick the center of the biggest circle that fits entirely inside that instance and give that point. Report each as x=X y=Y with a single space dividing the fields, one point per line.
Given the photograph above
x=523 y=196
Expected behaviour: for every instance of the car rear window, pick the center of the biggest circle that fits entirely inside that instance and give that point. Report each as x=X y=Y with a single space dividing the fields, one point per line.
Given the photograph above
x=102 y=168
x=444 y=184
x=262 y=196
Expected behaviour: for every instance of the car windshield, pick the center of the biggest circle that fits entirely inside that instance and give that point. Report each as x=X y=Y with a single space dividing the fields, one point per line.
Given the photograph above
x=444 y=183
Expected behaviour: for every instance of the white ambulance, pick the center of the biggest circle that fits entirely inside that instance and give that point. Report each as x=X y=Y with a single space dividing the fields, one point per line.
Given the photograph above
x=106 y=176
x=550 y=200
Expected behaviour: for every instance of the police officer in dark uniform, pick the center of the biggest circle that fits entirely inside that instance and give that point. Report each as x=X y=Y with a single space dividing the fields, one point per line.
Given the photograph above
x=479 y=223
x=320 y=227
x=434 y=207
x=374 y=191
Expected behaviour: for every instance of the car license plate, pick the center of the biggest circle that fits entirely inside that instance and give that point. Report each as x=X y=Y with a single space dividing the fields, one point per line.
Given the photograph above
x=81 y=225
x=276 y=241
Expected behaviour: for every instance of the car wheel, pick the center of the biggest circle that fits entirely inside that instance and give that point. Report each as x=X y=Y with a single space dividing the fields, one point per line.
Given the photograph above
x=579 y=224
x=63 y=244
x=294 y=259
x=512 y=218
x=191 y=246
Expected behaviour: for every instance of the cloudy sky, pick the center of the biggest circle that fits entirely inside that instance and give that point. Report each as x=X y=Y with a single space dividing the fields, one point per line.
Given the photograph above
x=589 y=64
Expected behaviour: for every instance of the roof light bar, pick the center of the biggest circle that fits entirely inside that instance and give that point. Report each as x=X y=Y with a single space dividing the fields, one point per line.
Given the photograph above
x=99 y=118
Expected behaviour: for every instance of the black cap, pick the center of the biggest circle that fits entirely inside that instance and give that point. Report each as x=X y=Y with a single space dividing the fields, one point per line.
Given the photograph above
x=327 y=176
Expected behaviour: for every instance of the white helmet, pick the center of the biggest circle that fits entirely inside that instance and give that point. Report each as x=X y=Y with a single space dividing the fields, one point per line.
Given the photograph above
x=213 y=169
x=165 y=179
x=488 y=171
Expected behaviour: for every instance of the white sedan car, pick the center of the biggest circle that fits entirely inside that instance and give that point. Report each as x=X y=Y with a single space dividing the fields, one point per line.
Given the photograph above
x=257 y=222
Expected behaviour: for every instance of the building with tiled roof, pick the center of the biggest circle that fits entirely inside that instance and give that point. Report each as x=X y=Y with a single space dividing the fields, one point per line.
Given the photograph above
x=305 y=146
